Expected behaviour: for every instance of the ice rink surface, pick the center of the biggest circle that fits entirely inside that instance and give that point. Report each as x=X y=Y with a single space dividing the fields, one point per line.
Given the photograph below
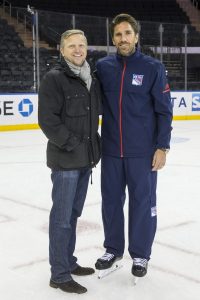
x=25 y=201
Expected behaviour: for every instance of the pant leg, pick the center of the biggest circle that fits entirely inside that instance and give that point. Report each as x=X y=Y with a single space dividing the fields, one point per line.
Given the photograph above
x=79 y=201
x=60 y=229
x=142 y=206
x=113 y=197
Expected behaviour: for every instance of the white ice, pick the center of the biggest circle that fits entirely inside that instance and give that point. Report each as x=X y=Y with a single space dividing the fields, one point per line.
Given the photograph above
x=25 y=201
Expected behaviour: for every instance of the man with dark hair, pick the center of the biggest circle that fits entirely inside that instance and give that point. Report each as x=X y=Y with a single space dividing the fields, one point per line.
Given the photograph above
x=124 y=18
x=136 y=132
x=69 y=108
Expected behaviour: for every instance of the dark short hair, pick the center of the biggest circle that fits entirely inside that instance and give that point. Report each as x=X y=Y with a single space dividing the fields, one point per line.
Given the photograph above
x=124 y=18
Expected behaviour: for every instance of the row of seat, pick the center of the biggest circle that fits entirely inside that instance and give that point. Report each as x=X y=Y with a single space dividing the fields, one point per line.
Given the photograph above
x=108 y=8
x=16 y=61
x=196 y=3
x=16 y=86
x=52 y=24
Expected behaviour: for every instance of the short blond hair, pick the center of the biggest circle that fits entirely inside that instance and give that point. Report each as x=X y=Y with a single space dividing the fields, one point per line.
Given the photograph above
x=68 y=33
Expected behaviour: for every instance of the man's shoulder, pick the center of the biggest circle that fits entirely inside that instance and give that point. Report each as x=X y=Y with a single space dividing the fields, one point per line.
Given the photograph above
x=107 y=59
x=54 y=72
x=151 y=61
x=57 y=69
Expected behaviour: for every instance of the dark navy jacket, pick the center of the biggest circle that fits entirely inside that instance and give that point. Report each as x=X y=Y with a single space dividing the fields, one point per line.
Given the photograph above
x=137 y=110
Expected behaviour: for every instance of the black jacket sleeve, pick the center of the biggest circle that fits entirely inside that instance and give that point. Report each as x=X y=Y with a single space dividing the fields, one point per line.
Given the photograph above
x=50 y=106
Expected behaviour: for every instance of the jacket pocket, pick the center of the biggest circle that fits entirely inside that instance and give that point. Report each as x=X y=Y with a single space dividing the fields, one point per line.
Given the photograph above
x=77 y=158
x=77 y=105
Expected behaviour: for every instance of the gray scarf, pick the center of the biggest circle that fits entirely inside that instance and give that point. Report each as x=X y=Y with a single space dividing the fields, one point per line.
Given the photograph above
x=83 y=72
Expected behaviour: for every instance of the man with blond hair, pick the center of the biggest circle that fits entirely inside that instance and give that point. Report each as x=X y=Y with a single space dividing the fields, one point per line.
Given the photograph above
x=69 y=108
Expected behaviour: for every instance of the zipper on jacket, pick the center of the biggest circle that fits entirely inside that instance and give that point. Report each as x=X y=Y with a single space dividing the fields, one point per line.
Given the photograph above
x=92 y=161
x=90 y=147
x=120 y=110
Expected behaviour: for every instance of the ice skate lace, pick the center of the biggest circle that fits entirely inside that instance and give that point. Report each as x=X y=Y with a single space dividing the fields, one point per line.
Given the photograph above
x=107 y=256
x=140 y=262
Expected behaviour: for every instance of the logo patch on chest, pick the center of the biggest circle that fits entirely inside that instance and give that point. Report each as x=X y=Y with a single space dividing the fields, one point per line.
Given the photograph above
x=137 y=79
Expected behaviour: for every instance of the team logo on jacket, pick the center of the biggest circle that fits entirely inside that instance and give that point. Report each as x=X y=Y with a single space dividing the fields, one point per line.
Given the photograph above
x=137 y=79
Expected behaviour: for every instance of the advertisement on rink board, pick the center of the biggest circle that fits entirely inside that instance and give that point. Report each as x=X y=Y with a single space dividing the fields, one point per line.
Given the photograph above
x=186 y=105
x=19 y=111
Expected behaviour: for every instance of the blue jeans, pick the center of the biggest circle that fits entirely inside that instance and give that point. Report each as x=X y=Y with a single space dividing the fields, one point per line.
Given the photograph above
x=68 y=196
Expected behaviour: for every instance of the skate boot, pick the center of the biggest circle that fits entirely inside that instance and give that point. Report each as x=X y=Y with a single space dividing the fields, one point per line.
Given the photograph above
x=107 y=264
x=139 y=268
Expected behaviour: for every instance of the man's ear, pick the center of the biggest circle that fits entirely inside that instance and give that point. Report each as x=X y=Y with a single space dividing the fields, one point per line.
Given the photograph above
x=137 y=37
x=113 y=42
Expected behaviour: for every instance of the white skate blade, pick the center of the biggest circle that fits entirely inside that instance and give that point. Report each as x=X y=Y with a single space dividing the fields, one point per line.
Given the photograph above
x=135 y=280
x=116 y=266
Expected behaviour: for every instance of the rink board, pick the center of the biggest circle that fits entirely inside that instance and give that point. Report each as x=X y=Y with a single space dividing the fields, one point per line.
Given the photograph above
x=186 y=105
x=19 y=111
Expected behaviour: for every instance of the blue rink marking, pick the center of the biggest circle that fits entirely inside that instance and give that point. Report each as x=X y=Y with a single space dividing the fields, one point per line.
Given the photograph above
x=179 y=140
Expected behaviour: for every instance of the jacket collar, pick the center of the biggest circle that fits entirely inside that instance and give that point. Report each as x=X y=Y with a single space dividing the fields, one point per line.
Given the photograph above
x=62 y=65
x=131 y=57
x=66 y=68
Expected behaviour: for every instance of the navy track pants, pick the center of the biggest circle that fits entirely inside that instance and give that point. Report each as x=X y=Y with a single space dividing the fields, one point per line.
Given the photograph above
x=136 y=174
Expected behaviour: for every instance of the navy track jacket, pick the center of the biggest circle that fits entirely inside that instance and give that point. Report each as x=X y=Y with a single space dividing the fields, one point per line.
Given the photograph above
x=137 y=109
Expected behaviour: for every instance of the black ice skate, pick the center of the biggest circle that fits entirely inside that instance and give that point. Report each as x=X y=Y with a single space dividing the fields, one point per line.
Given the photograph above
x=139 y=268
x=107 y=264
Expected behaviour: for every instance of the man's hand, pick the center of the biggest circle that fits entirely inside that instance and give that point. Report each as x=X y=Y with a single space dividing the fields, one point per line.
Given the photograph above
x=159 y=160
